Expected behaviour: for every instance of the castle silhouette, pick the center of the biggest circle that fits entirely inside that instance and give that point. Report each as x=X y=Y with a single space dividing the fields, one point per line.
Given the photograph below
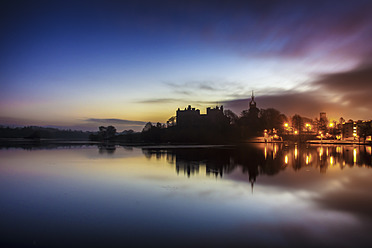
x=191 y=117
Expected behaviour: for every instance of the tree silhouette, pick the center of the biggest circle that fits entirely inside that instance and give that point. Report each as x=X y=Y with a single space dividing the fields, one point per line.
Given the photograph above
x=233 y=118
x=272 y=118
x=297 y=122
x=105 y=133
x=171 y=121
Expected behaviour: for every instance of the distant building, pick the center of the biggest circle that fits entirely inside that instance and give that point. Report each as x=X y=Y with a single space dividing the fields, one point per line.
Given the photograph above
x=323 y=116
x=349 y=129
x=253 y=110
x=191 y=117
x=322 y=125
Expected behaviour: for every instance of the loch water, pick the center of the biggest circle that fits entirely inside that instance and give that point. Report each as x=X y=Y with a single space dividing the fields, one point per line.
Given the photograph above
x=259 y=195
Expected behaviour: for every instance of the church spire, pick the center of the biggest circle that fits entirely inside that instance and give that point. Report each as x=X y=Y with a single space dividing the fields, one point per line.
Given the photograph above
x=252 y=103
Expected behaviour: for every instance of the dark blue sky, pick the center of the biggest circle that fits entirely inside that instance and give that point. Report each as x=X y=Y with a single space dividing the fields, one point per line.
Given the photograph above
x=67 y=63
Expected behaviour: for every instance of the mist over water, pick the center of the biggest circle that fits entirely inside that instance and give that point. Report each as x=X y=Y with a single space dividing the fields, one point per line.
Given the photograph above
x=259 y=194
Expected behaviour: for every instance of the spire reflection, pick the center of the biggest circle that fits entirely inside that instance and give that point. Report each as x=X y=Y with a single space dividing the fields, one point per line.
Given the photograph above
x=260 y=159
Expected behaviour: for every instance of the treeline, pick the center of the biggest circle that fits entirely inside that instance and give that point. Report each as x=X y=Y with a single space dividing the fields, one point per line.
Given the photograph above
x=227 y=128
x=34 y=132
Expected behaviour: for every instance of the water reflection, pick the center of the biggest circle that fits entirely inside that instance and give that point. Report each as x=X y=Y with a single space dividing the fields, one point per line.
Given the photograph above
x=106 y=148
x=261 y=159
x=113 y=196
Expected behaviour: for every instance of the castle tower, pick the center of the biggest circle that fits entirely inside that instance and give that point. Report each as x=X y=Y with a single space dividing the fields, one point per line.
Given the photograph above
x=252 y=103
x=253 y=110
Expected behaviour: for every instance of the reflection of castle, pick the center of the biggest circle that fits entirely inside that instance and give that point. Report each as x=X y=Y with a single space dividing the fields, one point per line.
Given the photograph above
x=191 y=117
x=260 y=159
x=218 y=161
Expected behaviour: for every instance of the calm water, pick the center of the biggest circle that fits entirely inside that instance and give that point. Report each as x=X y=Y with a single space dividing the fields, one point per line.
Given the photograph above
x=259 y=195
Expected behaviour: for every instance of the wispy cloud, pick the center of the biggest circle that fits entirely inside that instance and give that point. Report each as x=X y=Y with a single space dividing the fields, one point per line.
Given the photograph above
x=116 y=121
x=158 y=100
x=177 y=102
x=288 y=102
x=352 y=87
x=205 y=87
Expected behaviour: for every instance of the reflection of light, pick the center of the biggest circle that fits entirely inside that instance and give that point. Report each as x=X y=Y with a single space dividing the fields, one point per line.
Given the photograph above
x=354 y=155
x=338 y=149
x=307 y=159
x=321 y=153
x=265 y=152
x=295 y=152
x=275 y=148
x=327 y=151
x=296 y=132
x=331 y=160
x=286 y=159
x=369 y=150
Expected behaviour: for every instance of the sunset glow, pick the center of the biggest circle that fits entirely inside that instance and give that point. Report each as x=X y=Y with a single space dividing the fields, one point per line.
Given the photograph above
x=78 y=65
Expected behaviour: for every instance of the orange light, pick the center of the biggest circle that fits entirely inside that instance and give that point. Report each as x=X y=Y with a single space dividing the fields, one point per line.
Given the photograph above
x=295 y=152
x=286 y=124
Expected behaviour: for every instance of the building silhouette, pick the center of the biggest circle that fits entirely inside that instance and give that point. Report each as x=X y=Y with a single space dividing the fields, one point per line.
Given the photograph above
x=253 y=110
x=191 y=117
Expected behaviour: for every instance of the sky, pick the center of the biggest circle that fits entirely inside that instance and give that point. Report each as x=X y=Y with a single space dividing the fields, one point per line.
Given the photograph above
x=83 y=64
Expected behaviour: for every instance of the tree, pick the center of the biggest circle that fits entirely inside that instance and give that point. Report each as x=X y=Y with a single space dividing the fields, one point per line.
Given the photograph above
x=297 y=122
x=147 y=127
x=106 y=133
x=171 y=121
x=364 y=130
x=233 y=118
x=272 y=118
x=110 y=132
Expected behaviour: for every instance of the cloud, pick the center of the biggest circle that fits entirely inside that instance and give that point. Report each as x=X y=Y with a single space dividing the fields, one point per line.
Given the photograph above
x=288 y=102
x=344 y=94
x=354 y=87
x=274 y=28
x=203 y=85
x=216 y=88
x=116 y=121
x=357 y=204
x=158 y=100
x=176 y=102
x=288 y=28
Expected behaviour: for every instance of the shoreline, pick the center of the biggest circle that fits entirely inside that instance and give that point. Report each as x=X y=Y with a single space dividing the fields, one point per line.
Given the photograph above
x=54 y=143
